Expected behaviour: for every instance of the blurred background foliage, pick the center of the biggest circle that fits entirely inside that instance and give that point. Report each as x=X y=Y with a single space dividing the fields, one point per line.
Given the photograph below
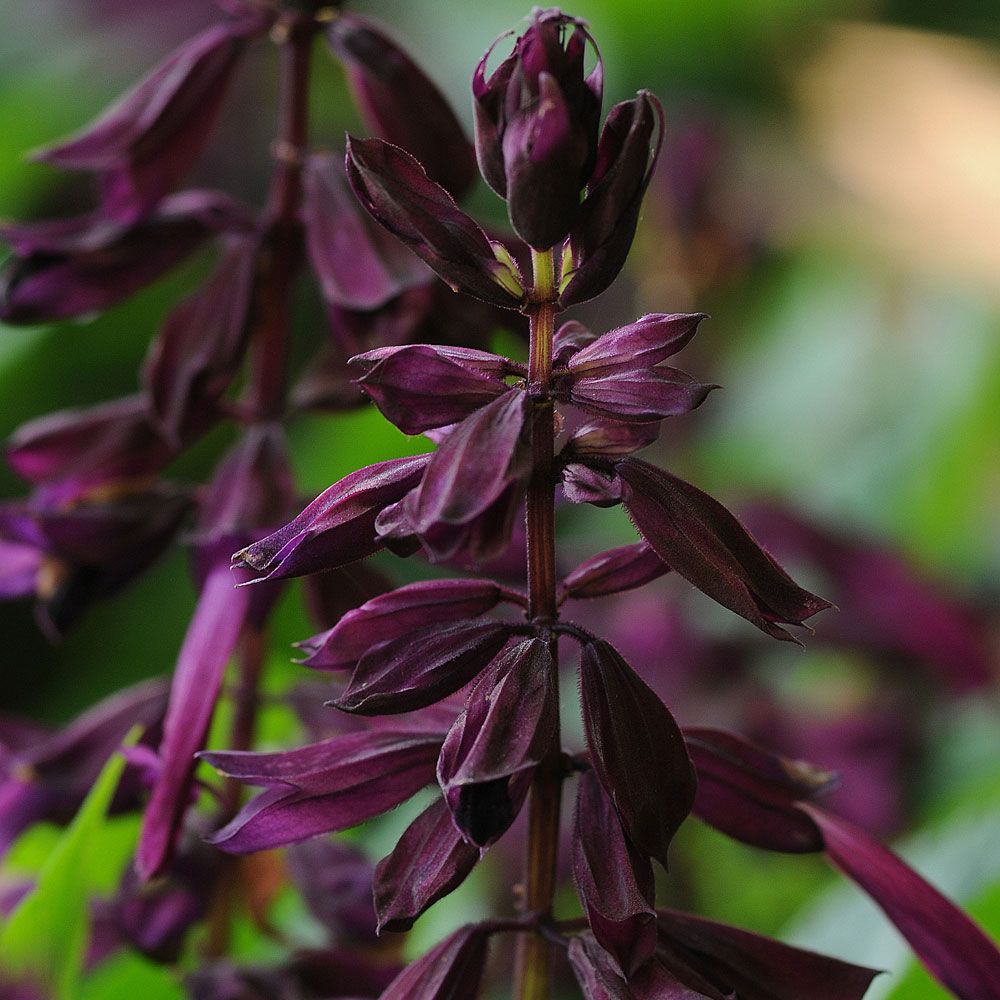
x=829 y=192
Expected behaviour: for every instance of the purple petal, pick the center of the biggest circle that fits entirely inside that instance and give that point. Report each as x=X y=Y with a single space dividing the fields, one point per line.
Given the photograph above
x=642 y=344
x=703 y=542
x=611 y=439
x=640 y=396
x=471 y=360
x=398 y=613
x=418 y=389
x=954 y=949
x=420 y=668
x=19 y=566
x=614 y=881
x=491 y=751
x=400 y=103
x=615 y=571
x=359 y=265
x=631 y=734
x=210 y=640
x=338 y=527
x=198 y=350
x=752 y=795
x=430 y=860
x=586 y=484
x=570 y=338
x=602 y=237
x=396 y=190
x=453 y=970
x=148 y=139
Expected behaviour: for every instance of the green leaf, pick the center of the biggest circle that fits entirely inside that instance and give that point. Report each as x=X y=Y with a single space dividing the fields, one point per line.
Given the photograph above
x=46 y=936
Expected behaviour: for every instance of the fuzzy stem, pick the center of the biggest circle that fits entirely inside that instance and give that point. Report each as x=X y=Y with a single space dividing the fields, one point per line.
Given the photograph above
x=534 y=952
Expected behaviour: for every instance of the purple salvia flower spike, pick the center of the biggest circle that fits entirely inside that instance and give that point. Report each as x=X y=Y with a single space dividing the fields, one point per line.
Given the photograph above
x=631 y=734
x=706 y=545
x=359 y=265
x=418 y=388
x=491 y=751
x=97 y=264
x=401 y=104
x=602 y=237
x=431 y=859
x=323 y=787
x=399 y=613
x=645 y=343
x=198 y=350
x=614 y=881
x=615 y=571
x=954 y=949
x=639 y=396
x=610 y=439
x=420 y=668
x=146 y=141
x=394 y=187
x=338 y=527
x=453 y=970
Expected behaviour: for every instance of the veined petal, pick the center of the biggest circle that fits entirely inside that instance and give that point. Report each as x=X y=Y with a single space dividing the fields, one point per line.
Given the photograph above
x=642 y=344
x=615 y=571
x=641 y=396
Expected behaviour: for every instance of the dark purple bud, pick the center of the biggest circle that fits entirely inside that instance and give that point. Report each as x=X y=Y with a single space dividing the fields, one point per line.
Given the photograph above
x=615 y=571
x=422 y=667
x=430 y=860
x=614 y=881
x=611 y=439
x=419 y=388
x=585 y=484
x=601 y=239
x=72 y=452
x=954 y=949
x=631 y=734
x=642 y=344
x=198 y=350
x=640 y=396
x=571 y=337
x=359 y=265
x=338 y=527
x=210 y=640
x=399 y=613
x=490 y=753
x=453 y=970
x=87 y=265
x=473 y=467
x=742 y=964
x=400 y=103
x=395 y=189
x=698 y=538
x=323 y=787
x=148 y=139
x=335 y=880
x=752 y=795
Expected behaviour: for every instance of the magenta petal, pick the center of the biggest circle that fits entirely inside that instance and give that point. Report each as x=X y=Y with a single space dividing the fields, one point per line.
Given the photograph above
x=359 y=265
x=338 y=527
x=400 y=103
x=430 y=860
x=396 y=190
x=610 y=439
x=469 y=358
x=614 y=571
x=453 y=970
x=954 y=949
x=210 y=641
x=397 y=613
x=418 y=388
x=631 y=734
x=422 y=667
x=642 y=344
x=491 y=751
x=703 y=542
x=147 y=140
x=640 y=396
x=19 y=566
x=753 y=795
x=614 y=881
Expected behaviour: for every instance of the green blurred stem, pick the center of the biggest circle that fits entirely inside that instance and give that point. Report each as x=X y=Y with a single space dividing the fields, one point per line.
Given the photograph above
x=534 y=972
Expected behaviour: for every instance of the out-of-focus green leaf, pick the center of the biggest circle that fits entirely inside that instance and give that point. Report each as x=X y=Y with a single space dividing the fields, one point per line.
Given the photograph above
x=46 y=935
x=130 y=975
